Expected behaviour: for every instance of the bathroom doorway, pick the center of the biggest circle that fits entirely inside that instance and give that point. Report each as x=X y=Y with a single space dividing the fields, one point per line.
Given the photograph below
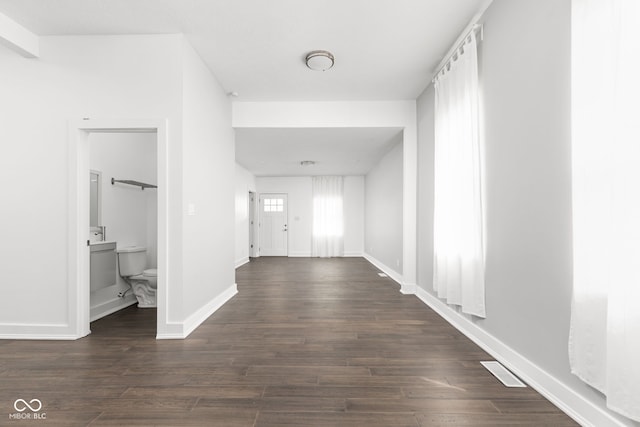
x=81 y=132
x=123 y=179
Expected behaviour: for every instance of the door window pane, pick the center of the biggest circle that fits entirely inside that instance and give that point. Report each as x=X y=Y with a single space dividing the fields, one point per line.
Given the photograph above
x=274 y=205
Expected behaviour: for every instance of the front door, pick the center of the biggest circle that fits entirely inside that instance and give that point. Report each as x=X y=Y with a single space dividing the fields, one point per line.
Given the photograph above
x=273 y=225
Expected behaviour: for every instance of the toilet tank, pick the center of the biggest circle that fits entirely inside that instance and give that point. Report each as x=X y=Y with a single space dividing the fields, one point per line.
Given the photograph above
x=132 y=260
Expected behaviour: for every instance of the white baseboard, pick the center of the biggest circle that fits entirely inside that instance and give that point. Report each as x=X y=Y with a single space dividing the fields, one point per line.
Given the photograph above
x=183 y=329
x=19 y=331
x=353 y=254
x=171 y=331
x=24 y=331
x=308 y=255
x=242 y=262
x=299 y=255
x=397 y=277
x=108 y=307
x=174 y=330
x=565 y=398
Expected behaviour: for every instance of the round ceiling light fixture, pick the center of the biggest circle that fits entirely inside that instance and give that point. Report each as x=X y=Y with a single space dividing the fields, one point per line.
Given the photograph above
x=320 y=60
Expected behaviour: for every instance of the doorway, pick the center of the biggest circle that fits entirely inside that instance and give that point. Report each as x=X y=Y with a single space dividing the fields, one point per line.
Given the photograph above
x=253 y=210
x=126 y=217
x=79 y=216
x=273 y=225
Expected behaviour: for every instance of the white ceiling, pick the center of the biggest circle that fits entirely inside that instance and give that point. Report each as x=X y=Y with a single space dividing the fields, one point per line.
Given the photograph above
x=278 y=152
x=384 y=50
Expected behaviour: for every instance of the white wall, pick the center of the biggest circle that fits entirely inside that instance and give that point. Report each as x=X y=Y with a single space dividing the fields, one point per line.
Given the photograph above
x=352 y=114
x=525 y=75
x=107 y=77
x=245 y=182
x=383 y=213
x=129 y=213
x=354 y=215
x=75 y=77
x=300 y=199
x=208 y=215
x=425 y=106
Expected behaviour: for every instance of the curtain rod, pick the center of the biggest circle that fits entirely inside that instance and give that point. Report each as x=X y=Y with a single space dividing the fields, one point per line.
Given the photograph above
x=461 y=41
x=471 y=26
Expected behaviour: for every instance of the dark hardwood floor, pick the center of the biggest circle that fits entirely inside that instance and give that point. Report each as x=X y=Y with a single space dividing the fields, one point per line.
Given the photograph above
x=306 y=342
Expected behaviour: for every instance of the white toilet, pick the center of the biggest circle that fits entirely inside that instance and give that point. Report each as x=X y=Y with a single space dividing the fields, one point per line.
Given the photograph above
x=132 y=261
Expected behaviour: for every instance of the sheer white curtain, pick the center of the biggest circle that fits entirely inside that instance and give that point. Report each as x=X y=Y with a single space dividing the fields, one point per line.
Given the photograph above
x=328 y=218
x=458 y=211
x=604 y=346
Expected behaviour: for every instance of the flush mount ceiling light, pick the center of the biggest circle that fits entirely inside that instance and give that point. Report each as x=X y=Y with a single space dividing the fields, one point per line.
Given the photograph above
x=307 y=163
x=319 y=60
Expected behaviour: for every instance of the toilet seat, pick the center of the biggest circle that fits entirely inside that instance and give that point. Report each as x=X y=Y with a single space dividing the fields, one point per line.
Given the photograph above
x=151 y=272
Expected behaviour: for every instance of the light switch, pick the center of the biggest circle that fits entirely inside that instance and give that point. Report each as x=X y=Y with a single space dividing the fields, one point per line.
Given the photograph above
x=191 y=209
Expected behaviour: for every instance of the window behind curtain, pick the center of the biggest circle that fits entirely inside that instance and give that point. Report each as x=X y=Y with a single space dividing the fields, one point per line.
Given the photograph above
x=604 y=344
x=458 y=199
x=328 y=217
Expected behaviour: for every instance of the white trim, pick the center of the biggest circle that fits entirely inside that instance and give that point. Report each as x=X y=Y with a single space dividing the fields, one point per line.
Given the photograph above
x=196 y=319
x=171 y=331
x=299 y=254
x=182 y=330
x=353 y=254
x=26 y=331
x=78 y=218
x=242 y=262
x=78 y=223
x=568 y=400
x=384 y=268
x=109 y=307
x=405 y=288
x=352 y=114
x=37 y=336
x=18 y=38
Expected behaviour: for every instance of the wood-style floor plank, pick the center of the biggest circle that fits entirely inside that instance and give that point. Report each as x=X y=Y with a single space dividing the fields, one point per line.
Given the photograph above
x=306 y=342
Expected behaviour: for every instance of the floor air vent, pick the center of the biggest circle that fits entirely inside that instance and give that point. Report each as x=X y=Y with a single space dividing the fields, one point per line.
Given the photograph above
x=503 y=374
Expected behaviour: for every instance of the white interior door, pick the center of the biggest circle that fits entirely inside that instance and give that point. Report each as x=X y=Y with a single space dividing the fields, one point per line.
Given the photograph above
x=273 y=225
x=253 y=210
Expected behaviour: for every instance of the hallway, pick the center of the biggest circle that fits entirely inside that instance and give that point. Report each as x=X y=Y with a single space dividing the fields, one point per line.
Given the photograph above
x=306 y=342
